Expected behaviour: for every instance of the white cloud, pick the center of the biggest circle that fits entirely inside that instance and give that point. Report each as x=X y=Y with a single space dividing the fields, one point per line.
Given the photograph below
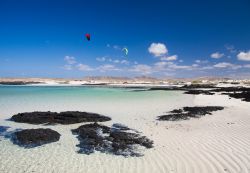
x=235 y=67
x=170 y=66
x=158 y=49
x=101 y=59
x=201 y=61
x=108 y=67
x=67 y=67
x=162 y=65
x=84 y=67
x=169 y=58
x=230 y=48
x=195 y=65
x=180 y=60
x=117 y=47
x=70 y=59
x=116 y=61
x=244 y=56
x=180 y=67
x=227 y=65
x=247 y=66
x=124 y=61
x=223 y=65
x=207 y=68
x=217 y=55
x=142 y=68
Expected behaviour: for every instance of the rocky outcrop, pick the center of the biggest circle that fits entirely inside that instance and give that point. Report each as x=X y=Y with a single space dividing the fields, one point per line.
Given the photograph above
x=244 y=96
x=235 y=92
x=189 y=112
x=29 y=138
x=118 y=140
x=196 y=92
x=69 y=117
x=242 y=93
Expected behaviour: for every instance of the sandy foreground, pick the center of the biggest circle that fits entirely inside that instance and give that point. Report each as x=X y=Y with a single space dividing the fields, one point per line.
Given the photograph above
x=213 y=143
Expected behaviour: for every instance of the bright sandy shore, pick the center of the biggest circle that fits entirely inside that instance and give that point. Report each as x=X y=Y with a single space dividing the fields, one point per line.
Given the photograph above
x=214 y=143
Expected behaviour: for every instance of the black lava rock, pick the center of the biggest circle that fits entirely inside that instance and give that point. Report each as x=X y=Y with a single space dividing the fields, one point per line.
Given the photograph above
x=118 y=126
x=196 y=92
x=115 y=140
x=30 y=138
x=244 y=96
x=236 y=92
x=69 y=117
x=189 y=112
x=193 y=86
x=231 y=89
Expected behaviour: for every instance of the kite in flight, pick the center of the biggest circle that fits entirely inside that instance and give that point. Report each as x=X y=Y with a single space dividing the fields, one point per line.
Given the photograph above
x=125 y=50
x=87 y=36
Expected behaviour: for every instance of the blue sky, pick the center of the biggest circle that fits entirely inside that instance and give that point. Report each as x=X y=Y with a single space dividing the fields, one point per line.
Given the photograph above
x=45 y=38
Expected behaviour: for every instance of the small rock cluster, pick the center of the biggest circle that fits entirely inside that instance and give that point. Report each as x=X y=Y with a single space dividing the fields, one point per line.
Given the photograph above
x=118 y=139
x=189 y=112
x=30 y=138
x=69 y=117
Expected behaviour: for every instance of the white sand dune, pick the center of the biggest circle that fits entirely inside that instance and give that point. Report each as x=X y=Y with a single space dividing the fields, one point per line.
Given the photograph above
x=214 y=143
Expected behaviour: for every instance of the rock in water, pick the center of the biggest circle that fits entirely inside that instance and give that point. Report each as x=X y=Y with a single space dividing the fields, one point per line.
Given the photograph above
x=69 y=117
x=189 y=112
x=30 y=138
x=3 y=130
x=96 y=137
x=197 y=92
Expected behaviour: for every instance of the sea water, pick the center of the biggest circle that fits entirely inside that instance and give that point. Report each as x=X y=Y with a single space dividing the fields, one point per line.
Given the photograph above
x=14 y=99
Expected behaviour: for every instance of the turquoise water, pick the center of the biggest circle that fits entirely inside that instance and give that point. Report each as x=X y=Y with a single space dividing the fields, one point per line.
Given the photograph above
x=14 y=99
x=69 y=92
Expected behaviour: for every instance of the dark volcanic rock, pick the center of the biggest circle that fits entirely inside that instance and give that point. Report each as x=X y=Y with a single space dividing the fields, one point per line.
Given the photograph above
x=96 y=137
x=189 y=112
x=193 y=86
x=29 y=138
x=196 y=92
x=176 y=111
x=235 y=92
x=245 y=96
x=165 y=89
x=185 y=87
x=231 y=89
x=69 y=117
x=120 y=127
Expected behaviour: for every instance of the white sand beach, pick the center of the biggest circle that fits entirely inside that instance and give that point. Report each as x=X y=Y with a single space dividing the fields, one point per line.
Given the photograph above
x=213 y=143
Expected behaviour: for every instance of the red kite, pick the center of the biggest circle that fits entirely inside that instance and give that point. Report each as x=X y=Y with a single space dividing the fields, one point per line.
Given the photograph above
x=87 y=36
